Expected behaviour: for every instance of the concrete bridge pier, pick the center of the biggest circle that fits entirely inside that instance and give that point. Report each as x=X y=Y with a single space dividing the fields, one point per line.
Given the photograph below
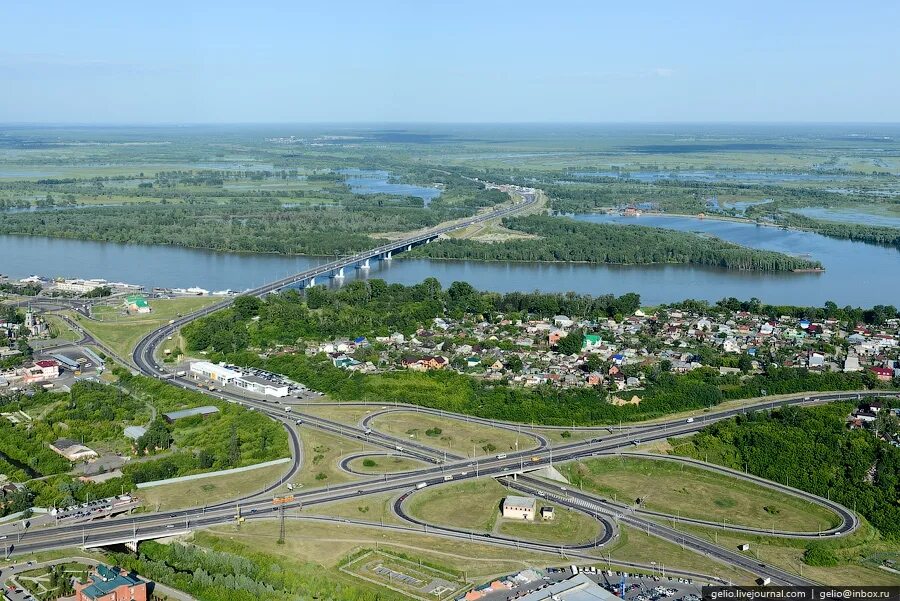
x=388 y=256
x=338 y=274
x=364 y=265
x=409 y=248
x=310 y=282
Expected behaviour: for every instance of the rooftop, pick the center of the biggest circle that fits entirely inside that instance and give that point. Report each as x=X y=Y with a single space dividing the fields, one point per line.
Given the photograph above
x=107 y=579
x=515 y=501
x=576 y=588
x=205 y=410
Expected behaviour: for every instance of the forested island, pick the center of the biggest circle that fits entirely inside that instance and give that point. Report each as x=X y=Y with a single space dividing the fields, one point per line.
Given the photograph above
x=563 y=239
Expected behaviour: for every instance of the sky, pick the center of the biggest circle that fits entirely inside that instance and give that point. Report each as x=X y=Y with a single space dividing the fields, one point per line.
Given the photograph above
x=298 y=61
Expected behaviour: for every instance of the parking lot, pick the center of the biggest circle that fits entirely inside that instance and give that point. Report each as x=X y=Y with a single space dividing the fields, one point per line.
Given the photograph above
x=637 y=588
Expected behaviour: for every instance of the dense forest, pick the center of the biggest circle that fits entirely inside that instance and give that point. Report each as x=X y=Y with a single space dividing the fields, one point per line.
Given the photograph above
x=813 y=450
x=563 y=239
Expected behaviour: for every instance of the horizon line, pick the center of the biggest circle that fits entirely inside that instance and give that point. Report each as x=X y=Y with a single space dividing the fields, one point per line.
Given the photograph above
x=419 y=122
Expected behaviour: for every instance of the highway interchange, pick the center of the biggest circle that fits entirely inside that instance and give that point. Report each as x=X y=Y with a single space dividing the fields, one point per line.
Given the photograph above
x=510 y=468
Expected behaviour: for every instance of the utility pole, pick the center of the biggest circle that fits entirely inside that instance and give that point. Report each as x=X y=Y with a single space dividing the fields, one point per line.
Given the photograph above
x=280 y=540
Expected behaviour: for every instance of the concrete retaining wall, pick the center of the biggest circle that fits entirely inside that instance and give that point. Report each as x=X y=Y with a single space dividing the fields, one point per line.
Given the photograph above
x=213 y=474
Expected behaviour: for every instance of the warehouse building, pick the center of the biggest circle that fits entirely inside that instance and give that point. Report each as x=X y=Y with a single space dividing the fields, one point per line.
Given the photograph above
x=211 y=371
x=205 y=411
x=261 y=386
x=249 y=382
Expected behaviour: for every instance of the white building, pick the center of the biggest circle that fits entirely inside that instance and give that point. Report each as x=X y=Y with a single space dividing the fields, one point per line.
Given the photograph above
x=261 y=386
x=519 y=508
x=211 y=371
x=79 y=286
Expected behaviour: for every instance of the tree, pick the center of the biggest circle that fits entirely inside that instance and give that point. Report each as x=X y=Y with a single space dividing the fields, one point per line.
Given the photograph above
x=571 y=344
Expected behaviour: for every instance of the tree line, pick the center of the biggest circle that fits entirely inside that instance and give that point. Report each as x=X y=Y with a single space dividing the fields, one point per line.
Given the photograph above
x=563 y=239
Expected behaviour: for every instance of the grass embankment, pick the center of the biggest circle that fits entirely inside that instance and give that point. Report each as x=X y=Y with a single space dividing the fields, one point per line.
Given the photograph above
x=121 y=333
x=677 y=489
x=452 y=435
x=60 y=329
x=204 y=491
x=326 y=544
x=480 y=512
x=858 y=555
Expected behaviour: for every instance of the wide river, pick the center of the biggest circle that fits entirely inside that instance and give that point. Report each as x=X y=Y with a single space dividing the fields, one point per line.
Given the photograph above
x=857 y=274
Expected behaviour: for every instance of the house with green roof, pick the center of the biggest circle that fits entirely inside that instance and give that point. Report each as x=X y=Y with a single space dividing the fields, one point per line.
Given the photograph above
x=590 y=342
x=109 y=583
x=135 y=303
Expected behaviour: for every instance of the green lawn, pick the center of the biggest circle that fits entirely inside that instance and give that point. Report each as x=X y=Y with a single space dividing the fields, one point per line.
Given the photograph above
x=121 y=333
x=674 y=488
x=450 y=434
x=475 y=505
x=568 y=526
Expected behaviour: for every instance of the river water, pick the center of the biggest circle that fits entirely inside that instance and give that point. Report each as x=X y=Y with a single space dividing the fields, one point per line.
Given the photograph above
x=857 y=274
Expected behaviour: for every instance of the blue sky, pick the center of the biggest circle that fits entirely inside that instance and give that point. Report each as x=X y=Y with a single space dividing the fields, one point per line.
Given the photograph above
x=522 y=61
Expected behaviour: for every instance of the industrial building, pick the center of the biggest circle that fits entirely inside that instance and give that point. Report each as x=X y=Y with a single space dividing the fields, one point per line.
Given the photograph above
x=261 y=386
x=211 y=371
x=577 y=588
x=249 y=382
x=205 y=411
x=519 y=508
x=73 y=451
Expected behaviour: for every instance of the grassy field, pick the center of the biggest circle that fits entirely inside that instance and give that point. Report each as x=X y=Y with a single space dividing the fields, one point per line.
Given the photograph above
x=121 y=333
x=61 y=329
x=371 y=508
x=195 y=493
x=567 y=527
x=857 y=553
x=321 y=454
x=38 y=581
x=441 y=504
x=481 y=513
x=326 y=544
x=349 y=414
x=692 y=492
x=386 y=464
x=450 y=434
